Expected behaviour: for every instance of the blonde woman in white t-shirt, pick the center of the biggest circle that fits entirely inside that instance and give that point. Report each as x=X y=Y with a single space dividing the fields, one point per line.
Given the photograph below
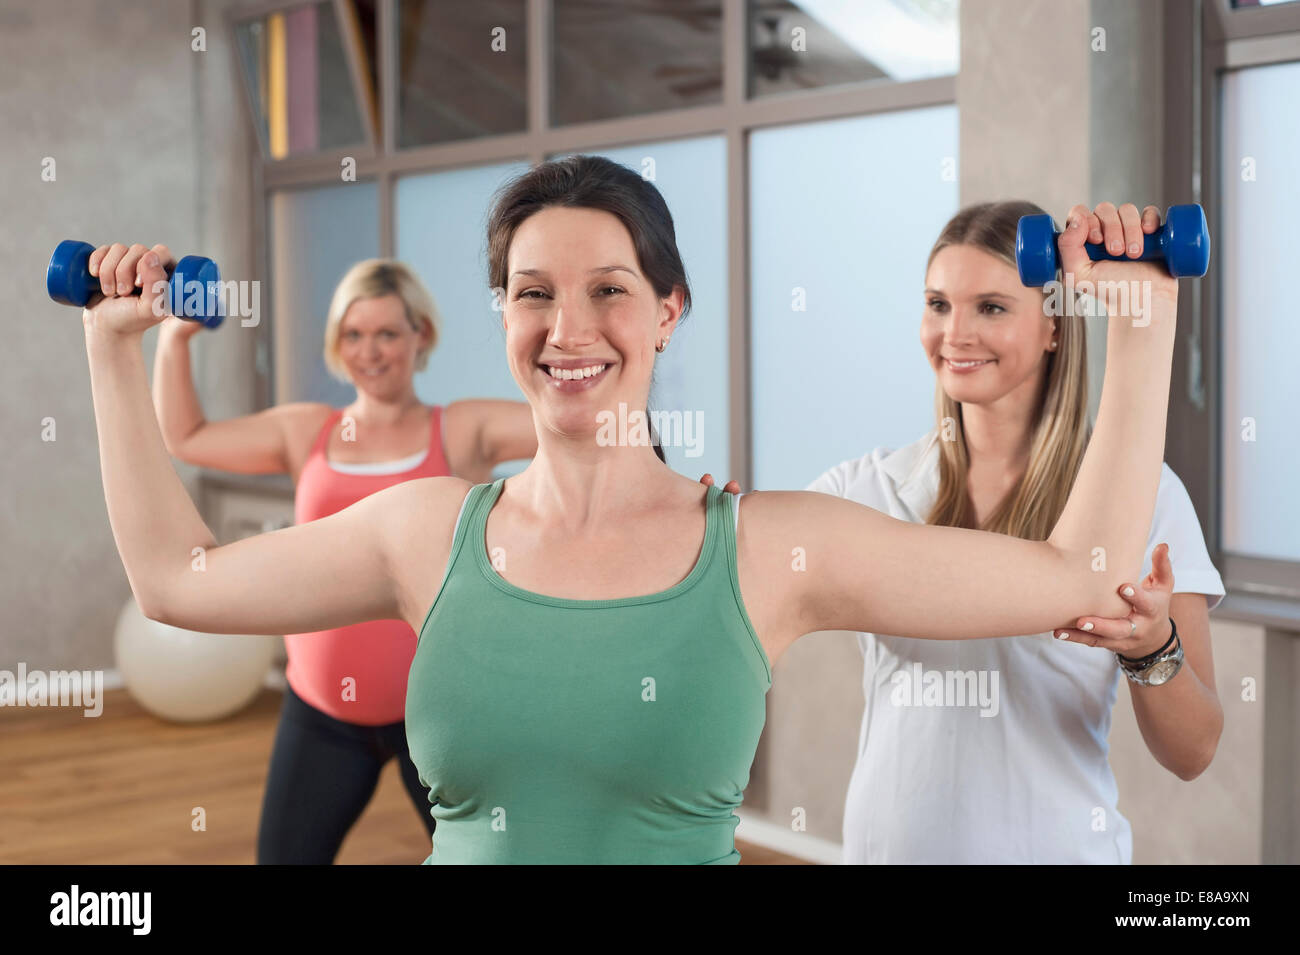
x=995 y=750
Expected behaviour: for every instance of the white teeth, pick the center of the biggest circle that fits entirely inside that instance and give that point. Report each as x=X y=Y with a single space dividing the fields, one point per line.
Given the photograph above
x=968 y=364
x=566 y=374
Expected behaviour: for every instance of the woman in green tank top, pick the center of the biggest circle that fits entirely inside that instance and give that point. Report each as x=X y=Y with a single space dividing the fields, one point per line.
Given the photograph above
x=597 y=633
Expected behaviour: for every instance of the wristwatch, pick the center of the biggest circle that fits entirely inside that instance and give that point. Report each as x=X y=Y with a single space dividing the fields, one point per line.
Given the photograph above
x=1155 y=668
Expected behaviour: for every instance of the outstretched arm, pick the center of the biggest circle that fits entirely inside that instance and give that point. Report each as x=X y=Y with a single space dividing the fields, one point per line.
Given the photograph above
x=328 y=573
x=868 y=571
x=480 y=433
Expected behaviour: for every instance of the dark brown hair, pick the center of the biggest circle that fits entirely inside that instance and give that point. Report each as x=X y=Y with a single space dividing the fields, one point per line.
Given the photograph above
x=593 y=182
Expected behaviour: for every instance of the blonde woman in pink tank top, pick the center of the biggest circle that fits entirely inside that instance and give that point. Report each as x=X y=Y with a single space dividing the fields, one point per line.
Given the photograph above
x=342 y=718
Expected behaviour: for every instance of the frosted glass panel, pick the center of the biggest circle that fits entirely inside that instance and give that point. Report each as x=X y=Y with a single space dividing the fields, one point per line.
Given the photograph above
x=802 y=44
x=615 y=58
x=842 y=216
x=441 y=232
x=1255 y=246
x=316 y=236
x=690 y=384
x=296 y=73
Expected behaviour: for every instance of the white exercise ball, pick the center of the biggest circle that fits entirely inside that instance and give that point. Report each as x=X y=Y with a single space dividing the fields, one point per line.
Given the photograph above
x=189 y=677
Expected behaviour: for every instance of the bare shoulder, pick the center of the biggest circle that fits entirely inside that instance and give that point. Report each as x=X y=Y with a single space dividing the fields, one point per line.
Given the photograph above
x=303 y=419
x=422 y=504
x=785 y=542
x=779 y=512
x=770 y=539
x=300 y=422
x=462 y=418
x=418 y=525
x=776 y=524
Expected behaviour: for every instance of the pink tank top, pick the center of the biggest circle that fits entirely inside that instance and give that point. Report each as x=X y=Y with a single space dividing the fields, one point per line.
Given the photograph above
x=356 y=674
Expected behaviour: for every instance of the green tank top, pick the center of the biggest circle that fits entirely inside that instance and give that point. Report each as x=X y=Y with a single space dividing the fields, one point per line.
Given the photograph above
x=551 y=730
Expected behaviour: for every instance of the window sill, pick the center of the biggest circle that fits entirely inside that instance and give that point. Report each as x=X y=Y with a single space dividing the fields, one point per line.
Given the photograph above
x=1273 y=612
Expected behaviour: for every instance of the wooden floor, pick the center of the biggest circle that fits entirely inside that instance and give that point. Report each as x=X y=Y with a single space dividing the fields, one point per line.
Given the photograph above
x=122 y=788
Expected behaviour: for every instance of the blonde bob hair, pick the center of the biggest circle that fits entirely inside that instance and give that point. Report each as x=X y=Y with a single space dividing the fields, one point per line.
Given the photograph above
x=375 y=278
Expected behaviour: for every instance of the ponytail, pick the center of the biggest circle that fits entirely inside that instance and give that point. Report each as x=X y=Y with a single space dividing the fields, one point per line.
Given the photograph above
x=654 y=436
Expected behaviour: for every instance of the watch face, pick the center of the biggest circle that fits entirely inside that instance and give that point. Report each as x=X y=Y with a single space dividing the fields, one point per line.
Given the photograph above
x=1162 y=672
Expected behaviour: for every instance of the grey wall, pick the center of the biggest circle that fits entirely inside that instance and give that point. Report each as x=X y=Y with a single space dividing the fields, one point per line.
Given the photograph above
x=150 y=145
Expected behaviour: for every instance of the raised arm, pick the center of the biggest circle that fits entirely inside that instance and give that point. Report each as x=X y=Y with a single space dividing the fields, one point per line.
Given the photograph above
x=867 y=571
x=256 y=443
x=481 y=433
x=342 y=569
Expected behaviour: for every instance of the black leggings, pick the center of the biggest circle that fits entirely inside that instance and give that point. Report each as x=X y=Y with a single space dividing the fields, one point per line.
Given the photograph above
x=323 y=773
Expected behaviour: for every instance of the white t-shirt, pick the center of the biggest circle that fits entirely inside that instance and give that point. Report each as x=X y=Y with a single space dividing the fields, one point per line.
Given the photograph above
x=937 y=782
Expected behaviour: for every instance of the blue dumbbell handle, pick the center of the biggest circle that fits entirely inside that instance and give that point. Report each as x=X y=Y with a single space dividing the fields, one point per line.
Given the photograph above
x=1153 y=247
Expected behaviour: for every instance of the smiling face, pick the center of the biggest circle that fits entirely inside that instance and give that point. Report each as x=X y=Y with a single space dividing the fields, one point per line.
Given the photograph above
x=378 y=345
x=581 y=318
x=983 y=332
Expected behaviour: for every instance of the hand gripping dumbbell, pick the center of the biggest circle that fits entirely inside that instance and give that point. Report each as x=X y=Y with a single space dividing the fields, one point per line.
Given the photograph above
x=1182 y=243
x=193 y=289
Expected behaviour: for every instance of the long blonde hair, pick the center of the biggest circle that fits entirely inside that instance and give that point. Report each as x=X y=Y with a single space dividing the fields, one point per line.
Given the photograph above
x=375 y=278
x=1060 y=426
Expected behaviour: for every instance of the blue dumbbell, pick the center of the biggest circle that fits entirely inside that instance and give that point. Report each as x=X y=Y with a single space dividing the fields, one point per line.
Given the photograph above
x=193 y=291
x=1182 y=243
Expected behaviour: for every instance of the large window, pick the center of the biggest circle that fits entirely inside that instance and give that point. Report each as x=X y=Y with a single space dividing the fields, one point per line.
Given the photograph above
x=1241 y=321
x=612 y=58
x=441 y=233
x=773 y=129
x=461 y=70
x=316 y=236
x=297 y=70
x=1259 y=331
x=689 y=393
x=804 y=44
x=842 y=217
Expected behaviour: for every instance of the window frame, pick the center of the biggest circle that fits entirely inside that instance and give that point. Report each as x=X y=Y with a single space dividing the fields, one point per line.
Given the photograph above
x=733 y=117
x=1222 y=39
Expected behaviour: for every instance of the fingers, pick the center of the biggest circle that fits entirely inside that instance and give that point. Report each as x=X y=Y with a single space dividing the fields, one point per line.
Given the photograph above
x=1070 y=243
x=1095 y=638
x=1076 y=636
x=1112 y=229
x=153 y=283
x=164 y=256
x=1144 y=604
x=1106 y=628
x=1121 y=230
x=1162 y=571
x=1131 y=221
x=127 y=270
x=97 y=257
x=107 y=270
x=731 y=487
